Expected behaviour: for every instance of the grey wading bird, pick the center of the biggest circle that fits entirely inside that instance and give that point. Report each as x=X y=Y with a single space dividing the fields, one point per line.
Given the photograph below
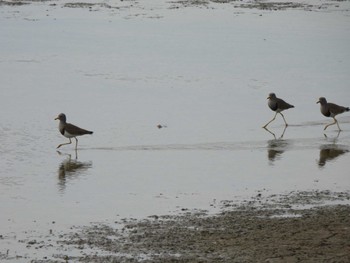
x=69 y=130
x=277 y=105
x=331 y=110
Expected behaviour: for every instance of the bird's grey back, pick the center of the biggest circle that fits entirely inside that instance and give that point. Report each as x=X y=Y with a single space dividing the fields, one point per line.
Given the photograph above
x=277 y=104
x=75 y=130
x=335 y=109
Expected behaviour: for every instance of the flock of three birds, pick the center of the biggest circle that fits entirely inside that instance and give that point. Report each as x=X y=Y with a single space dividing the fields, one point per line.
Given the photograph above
x=276 y=104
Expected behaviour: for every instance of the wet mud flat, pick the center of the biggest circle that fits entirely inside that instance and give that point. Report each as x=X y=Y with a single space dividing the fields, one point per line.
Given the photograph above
x=263 y=229
x=178 y=4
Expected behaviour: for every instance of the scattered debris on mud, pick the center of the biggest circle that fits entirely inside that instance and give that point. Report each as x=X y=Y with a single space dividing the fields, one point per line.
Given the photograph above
x=256 y=4
x=13 y=3
x=177 y=4
x=263 y=229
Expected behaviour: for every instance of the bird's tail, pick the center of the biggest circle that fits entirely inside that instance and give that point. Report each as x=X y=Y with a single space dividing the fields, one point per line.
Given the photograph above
x=347 y=109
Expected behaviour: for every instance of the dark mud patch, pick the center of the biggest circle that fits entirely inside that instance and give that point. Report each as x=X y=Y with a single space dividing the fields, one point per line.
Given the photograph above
x=291 y=201
x=255 y=4
x=13 y=3
x=189 y=3
x=178 y=4
x=112 y=5
x=86 y=5
x=262 y=5
x=175 y=4
x=263 y=229
x=20 y=2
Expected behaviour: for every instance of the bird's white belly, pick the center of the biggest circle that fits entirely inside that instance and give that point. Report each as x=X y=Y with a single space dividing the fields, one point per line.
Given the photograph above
x=68 y=135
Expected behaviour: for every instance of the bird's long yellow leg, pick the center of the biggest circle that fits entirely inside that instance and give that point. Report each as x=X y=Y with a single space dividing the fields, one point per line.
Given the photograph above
x=274 y=136
x=70 y=141
x=76 y=143
x=335 y=122
x=285 y=128
x=284 y=119
x=270 y=121
x=338 y=124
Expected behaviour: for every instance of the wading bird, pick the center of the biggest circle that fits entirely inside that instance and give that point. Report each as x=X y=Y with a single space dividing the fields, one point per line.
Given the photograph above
x=69 y=130
x=331 y=110
x=277 y=105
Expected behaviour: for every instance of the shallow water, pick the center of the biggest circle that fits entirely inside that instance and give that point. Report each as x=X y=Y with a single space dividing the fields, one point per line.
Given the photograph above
x=203 y=74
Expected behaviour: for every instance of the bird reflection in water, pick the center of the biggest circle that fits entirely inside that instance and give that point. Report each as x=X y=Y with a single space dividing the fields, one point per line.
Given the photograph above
x=70 y=169
x=330 y=152
x=276 y=147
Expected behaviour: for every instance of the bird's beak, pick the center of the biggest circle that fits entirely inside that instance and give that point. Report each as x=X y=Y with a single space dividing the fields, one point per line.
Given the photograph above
x=56 y=118
x=317 y=102
x=268 y=97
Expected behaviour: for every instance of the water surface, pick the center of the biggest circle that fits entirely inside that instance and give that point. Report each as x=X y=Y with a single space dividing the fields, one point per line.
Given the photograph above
x=202 y=73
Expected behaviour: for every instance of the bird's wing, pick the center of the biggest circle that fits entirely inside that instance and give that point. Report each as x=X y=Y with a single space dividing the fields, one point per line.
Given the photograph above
x=75 y=130
x=336 y=109
x=284 y=105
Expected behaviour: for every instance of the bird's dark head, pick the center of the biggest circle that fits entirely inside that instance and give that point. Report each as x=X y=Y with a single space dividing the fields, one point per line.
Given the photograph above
x=271 y=96
x=61 y=117
x=322 y=100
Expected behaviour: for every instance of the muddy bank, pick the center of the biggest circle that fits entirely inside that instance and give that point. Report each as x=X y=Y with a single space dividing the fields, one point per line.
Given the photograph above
x=263 y=229
x=178 y=4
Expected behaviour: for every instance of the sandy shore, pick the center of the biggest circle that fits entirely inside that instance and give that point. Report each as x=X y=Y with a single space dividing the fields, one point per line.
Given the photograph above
x=271 y=229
